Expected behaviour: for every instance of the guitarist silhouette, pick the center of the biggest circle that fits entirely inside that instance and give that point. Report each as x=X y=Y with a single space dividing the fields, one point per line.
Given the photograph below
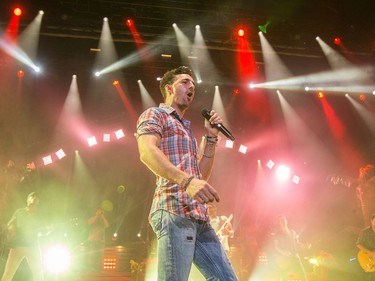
x=366 y=245
x=287 y=244
x=222 y=226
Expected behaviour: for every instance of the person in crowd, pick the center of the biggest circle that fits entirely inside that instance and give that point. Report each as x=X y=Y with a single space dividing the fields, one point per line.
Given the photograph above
x=96 y=239
x=366 y=245
x=23 y=232
x=222 y=226
x=287 y=246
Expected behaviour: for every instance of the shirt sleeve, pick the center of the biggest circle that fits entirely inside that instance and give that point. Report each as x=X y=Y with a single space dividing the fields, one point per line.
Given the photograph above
x=150 y=122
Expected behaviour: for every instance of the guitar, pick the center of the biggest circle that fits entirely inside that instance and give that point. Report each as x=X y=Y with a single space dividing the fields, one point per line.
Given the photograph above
x=366 y=261
x=219 y=233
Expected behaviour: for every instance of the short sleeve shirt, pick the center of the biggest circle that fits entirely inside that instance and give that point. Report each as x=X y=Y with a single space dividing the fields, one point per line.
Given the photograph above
x=179 y=145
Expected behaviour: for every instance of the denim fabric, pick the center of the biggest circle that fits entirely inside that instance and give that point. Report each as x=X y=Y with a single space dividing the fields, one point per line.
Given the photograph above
x=181 y=242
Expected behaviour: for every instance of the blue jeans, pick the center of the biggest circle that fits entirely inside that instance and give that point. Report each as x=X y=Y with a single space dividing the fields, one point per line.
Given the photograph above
x=183 y=241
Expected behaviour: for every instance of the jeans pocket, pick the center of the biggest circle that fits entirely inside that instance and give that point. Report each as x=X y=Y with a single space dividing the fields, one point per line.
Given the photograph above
x=156 y=222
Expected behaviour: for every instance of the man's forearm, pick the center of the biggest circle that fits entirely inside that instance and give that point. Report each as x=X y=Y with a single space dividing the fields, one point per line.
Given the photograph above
x=160 y=165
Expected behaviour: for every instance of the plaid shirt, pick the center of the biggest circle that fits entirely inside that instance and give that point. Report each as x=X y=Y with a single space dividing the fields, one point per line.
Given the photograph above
x=180 y=146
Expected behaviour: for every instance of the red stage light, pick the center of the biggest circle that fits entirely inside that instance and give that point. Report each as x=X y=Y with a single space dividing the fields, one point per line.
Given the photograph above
x=236 y=91
x=320 y=95
x=129 y=22
x=337 y=41
x=115 y=82
x=362 y=97
x=17 y=11
x=20 y=73
x=241 y=32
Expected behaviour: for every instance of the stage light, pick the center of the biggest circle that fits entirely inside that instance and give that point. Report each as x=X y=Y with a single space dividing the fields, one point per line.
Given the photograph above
x=282 y=172
x=197 y=26
x=229 y=144
x=57 y=259
x=236 y=91
x=106 y=137
x=47 y=160
x=174 y=24
x=92 y=141
x=320 y=95
x=307 y=89
x=105 y=19
x=242 y=149
x=110 y=263
x=199 y=81
x=337 y=41
x=119 y=134
x=17 y=11
x=36 y=69
x=251 y=86
x=129 y=22
x=263 y=28
x=362 y=97
x=373 y=92
x=270 y=164
x=115 y=82
x=60 y=153
x=20 y=73
x=296 y=179
x=168 y=56
x=97 y=74
x=41 y=12
x=241 y=32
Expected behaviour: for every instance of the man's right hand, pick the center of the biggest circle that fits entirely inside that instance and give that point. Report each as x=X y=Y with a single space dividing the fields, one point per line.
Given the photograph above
x=202 y=191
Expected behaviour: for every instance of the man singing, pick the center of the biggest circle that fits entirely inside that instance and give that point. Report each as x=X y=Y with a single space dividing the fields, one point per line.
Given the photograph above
x=179 y=214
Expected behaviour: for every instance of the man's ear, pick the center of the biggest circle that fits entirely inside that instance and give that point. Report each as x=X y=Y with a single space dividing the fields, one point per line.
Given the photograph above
x=168 y=88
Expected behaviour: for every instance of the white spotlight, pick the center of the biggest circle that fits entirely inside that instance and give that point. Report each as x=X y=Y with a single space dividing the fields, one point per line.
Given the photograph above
x=197 y=26
x=174 y=25
x=105 y=19
x=36 y=69
x=74 y=76
x=199 y=81
x=373 y=92
x=307 y=89
x=139 y=81
x=57 y=259
x=283 y=172
x=41 y=12
x=347 y=95
x=251 y=86
x=317 y=38
x=97 y=74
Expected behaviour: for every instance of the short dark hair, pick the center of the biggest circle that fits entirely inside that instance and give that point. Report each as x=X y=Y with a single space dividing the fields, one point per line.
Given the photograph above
x=170 y=75
x=33 y=194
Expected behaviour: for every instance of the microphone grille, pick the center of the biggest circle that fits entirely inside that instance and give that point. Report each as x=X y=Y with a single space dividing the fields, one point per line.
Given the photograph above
x=206 y=113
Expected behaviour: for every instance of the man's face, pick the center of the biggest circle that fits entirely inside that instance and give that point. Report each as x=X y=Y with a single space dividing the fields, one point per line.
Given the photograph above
x=33 y=200
x=183 y=91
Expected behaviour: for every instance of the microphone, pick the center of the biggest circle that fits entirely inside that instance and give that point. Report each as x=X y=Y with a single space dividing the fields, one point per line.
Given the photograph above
x=206 y=114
